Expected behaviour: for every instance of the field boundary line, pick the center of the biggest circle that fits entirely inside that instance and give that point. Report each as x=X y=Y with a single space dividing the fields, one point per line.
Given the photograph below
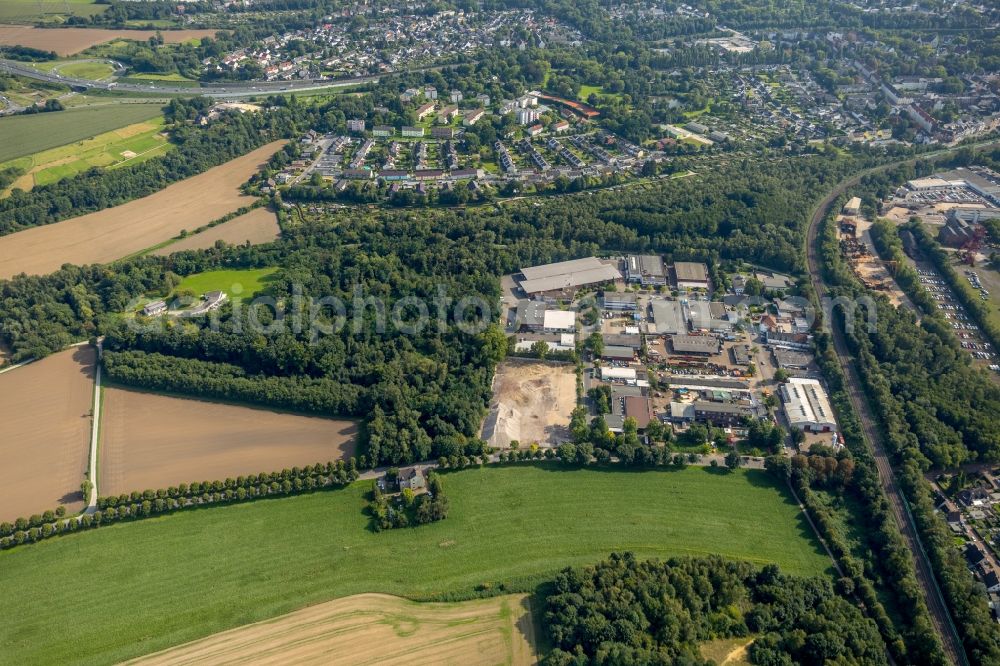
x=94 y=432
x=17 y=365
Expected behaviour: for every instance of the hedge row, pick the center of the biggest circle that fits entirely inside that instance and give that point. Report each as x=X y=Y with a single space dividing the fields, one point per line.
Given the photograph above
x=138 y=505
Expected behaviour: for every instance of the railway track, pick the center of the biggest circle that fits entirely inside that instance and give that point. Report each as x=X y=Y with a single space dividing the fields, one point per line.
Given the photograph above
x=940 y=615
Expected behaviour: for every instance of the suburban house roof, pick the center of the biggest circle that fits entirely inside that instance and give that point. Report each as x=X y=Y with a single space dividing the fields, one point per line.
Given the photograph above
x=991 y=580
x=973 y=554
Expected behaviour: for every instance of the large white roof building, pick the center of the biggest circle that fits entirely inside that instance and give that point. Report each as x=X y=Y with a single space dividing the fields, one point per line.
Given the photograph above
x=567 y=275
x=807 y=405
x=559 y=320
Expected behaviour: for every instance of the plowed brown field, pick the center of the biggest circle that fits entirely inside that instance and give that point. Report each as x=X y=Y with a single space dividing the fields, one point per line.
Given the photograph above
x=45 y=433
x=258 y=226
x=67 y=41
x=116 y=232
x=374 y=629
x=151 y=441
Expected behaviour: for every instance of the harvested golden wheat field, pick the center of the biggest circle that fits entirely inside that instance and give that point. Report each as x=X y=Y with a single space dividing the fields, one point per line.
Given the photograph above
x=374 y=629
x=116 y=232
x=151 y=441
x=67 y=41
x=45 y=433
x=258 y=226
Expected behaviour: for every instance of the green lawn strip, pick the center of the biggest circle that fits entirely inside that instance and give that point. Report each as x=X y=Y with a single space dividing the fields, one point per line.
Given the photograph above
x=234 y=282
x=163 y=581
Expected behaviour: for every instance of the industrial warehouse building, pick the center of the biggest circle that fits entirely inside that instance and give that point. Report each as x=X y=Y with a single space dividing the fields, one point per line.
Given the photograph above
x=695 y=344
x=668 y=317
x=623 y=301
x=807 y=405
x=563 y=279
x=618 y=353
x=536 y=316
x=691 y=275
x=646 y=269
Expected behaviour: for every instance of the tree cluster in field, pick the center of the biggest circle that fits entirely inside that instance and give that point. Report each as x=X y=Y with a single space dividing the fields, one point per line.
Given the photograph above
x=8 y=175
x=222 y=381
x=833 y=471
x=27 y=54
x=50 y=105
x=926 y=399
x=137 y=505
x=407 y=509
x=626 y=611
x=541 y=351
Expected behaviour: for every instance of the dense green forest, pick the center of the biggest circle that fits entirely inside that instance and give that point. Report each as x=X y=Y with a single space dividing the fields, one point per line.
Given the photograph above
x=623 y=611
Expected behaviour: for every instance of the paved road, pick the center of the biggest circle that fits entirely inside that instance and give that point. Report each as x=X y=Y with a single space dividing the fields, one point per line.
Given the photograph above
x=873 y=439
x=9 y=106
x=222 y=91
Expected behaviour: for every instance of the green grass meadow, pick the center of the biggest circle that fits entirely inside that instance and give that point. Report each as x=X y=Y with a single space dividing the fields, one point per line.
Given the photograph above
x=50 y=11
x=24 y=135
x=109 y=150
x=131 y=589
x=94 y=71
x=236 y=282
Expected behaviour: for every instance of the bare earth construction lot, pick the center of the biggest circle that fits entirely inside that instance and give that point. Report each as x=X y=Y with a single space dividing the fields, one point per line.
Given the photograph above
x=151 y=441
x=532 y=402
x=45 y=433
x=67 y=41
x=116 y=232
x=258 y=226
x=374 y=629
